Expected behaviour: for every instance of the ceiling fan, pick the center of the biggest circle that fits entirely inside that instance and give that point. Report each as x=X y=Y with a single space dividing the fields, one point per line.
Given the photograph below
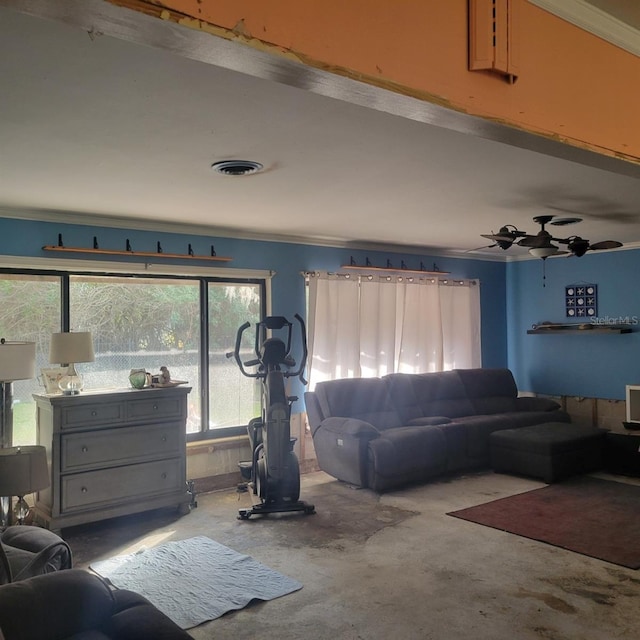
x=541 y=244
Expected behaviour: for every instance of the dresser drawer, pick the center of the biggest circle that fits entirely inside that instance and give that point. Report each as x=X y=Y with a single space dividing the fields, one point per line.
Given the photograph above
x=156 y=407
x=120 y=446
x=110 y=486
x=91 y=415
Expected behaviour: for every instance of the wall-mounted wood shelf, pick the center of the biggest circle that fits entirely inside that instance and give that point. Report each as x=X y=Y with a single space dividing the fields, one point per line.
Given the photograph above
x=584 y=328
x=398 y=270
x=143 y=254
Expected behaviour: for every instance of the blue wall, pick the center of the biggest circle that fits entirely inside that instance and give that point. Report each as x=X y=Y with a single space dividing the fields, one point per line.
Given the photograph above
x=288 y=260
x=576 y=364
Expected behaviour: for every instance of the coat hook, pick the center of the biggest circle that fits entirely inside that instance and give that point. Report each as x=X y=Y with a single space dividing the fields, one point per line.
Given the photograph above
x=389 y=265
x=95 y=242
x=60 y=240
x=403 y=265
x=213 y=251
x=128 y=245
x=422 y=267
x=368 y=263
x=352 y=262
x=159 y=247
x=190 y=250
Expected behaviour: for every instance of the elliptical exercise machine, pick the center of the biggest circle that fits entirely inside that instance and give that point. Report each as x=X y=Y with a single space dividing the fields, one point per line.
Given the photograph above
x=274 y=472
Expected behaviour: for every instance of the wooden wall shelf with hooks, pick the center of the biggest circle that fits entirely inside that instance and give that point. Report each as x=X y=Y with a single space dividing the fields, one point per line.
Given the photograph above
x=143 y=254
x=396 y=270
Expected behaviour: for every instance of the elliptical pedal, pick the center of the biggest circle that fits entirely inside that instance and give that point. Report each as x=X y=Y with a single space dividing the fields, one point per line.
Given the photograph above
x=266 y=508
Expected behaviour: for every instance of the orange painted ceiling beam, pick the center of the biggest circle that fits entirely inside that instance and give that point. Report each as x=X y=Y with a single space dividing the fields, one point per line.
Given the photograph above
x=571 y=85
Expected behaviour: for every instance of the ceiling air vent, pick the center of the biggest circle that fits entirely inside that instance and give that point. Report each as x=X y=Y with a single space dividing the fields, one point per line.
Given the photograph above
x=236 y=167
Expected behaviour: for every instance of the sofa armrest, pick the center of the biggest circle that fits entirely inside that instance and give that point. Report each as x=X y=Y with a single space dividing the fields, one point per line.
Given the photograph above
x=341 y=448
x=135 y=617
x=531 y=403
x=350 y=427
x=314 y=412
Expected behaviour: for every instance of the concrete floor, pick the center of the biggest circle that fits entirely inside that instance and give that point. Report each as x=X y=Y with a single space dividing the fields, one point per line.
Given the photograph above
x=394 y=567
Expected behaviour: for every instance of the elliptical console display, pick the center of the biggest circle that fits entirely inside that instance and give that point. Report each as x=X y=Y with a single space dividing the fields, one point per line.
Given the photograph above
x=274 y=472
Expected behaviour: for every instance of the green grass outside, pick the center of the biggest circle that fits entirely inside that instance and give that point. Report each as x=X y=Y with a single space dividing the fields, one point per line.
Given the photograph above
x=24 y=423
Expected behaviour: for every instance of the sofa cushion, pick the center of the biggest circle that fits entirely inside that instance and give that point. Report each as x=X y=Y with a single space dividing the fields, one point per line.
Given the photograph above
x=489 y=390
x=406 y=454
x=428 y=394
x=480 y=427
x=366 y=399
x=550 y=438
x=484 y=383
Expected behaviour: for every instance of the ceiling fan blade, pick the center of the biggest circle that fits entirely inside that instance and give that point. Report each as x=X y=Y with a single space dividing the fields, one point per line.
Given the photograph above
x=561 y=222
x=497 y=237
x=486 y=246
x=605 y=244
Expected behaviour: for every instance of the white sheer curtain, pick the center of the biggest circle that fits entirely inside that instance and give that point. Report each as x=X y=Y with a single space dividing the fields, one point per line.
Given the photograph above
x=364 y=326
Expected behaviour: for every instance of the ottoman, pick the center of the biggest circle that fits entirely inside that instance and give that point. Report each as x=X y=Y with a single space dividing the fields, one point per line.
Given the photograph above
x=550 y=451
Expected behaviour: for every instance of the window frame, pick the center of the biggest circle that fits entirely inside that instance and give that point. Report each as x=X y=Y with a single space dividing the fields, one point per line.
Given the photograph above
x=200 y=275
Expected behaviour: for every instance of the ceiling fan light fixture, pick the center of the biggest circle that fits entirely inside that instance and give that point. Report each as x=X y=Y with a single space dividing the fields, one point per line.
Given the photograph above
x=543 y=252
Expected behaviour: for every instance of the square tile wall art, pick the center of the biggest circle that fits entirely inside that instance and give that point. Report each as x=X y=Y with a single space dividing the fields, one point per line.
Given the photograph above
x=581 y=300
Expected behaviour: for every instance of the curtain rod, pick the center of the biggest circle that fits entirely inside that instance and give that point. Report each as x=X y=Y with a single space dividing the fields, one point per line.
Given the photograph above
x=397 y=277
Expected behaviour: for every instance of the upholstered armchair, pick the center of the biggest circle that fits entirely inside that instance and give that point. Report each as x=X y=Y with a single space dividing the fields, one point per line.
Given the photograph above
x=79 y=605
x=27 y=551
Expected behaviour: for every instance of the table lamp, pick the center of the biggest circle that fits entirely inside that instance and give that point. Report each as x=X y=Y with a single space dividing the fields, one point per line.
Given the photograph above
x=23 y=470
x=69 y=349
x=17 y=362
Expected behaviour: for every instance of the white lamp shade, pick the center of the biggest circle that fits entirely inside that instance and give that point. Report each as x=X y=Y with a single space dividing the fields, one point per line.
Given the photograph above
x=23 y=470
x=68 y=348
x=17 y=361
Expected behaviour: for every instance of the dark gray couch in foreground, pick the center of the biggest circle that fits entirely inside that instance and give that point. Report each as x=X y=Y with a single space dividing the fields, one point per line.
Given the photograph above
x=75 y=604
x=385 y=432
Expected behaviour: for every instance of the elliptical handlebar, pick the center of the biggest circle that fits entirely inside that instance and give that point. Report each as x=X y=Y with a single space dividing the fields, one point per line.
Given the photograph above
x=271 y=322
x=235 y=354
x=305 y=351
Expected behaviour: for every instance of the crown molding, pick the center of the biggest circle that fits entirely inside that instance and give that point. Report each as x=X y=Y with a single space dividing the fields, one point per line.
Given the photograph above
x=594 y=20
x=160 y=226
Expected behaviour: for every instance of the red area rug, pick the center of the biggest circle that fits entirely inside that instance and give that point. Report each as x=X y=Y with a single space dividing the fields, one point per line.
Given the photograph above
x=597 y=518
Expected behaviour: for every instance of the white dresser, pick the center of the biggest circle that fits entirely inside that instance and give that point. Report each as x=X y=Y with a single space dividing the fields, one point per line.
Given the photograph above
x=112 y=453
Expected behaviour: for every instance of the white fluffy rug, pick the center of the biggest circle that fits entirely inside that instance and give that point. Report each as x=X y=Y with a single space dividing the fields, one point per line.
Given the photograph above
x=195 y=580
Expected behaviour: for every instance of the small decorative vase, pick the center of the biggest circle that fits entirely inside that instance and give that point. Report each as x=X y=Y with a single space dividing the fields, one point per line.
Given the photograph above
x=138 y=378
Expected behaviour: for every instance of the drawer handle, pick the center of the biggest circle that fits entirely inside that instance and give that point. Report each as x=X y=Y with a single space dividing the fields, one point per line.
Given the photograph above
x=94 y=413
x=85 y=449
x=164 y=438
x=155 y=407
x=84 y=489
x=164 y=476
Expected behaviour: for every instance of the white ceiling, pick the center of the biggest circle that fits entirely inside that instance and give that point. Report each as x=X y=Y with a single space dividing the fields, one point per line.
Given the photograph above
x=101 y=126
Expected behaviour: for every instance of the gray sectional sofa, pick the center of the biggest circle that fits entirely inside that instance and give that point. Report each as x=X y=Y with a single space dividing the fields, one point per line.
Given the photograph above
x=382 y=433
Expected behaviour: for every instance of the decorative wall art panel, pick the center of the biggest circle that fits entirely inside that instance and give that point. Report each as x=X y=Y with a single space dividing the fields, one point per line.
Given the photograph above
x=581 y=300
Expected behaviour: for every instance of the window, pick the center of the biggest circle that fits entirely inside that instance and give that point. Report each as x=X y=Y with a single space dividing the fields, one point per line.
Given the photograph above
x=233 y=398
x=29 y=311
x=140 y=322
